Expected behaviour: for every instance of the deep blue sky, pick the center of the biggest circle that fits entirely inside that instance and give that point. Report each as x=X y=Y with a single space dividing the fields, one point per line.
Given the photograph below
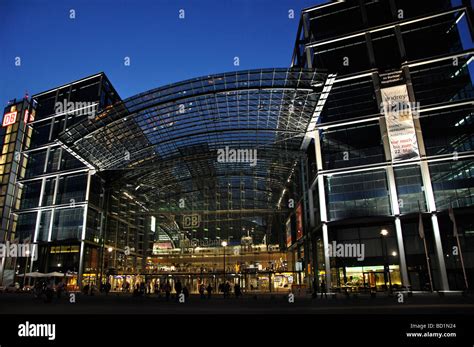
x=163 y=49
x=55 y=50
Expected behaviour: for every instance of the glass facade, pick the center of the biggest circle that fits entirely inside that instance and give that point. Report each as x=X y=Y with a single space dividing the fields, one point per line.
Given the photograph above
x=60 y=200
x=364 y=185
x=357 y=194
x=86 y=178
x=98 y=168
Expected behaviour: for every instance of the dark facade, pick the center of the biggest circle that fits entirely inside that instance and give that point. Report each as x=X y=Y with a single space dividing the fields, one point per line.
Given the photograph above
x=15 y=134
x=53 y=198
x=359 y=184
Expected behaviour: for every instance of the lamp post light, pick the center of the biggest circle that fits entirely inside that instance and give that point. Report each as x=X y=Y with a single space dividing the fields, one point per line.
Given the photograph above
x=103 y=256
x=386 y=268
x=224 y=244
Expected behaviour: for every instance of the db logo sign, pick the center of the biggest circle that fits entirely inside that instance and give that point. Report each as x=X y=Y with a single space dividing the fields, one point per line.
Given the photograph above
x=9 y=118
x=191 y=221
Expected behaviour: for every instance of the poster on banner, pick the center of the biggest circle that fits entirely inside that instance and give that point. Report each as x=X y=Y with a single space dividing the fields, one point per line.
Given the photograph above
x=400 y=126
x=299 y=222
x=289 y=239
x=160 y=247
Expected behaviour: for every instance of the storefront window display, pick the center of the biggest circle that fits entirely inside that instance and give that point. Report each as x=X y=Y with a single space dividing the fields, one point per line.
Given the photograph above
x=368 y=278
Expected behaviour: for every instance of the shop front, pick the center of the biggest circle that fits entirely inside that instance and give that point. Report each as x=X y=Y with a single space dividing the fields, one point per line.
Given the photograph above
x=368 y=278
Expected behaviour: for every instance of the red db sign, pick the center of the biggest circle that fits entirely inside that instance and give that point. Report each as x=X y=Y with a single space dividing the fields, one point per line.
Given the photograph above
x=9 y=118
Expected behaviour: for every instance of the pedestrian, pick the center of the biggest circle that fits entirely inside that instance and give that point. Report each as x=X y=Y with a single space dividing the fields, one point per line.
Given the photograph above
x=323 y=289
x=168 y=290
x=136 y=290
x=38 y=290
x=186 y=292
x=178 y=287
x=226 y=289
x=49 y=292
x=93 y=289
x=237 y=290
x=202 y=289
x=209 y=291
x=107 y=288
x=59 y=289
x=315 y=288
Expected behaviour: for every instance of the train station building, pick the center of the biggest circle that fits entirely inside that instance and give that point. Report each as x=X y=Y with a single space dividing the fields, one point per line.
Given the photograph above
x=364 y=145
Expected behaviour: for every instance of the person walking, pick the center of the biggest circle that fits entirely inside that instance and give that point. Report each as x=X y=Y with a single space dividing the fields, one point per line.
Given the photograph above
x=237 y=290
x=315 y=288
x=226 y=289
x=202 y=289
x=49 y=291
x=186 y=292
x=178 y=287
x=59 y=289
x=209 y=290
x=38 y=290
x=323 y=289
x=168 y=290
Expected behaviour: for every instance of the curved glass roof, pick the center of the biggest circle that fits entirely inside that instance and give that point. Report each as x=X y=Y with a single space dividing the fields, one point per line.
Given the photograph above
x=164 y=144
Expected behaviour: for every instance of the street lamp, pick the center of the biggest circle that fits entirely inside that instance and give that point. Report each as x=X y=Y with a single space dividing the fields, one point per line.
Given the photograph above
x=224 y=244
x=386 y=270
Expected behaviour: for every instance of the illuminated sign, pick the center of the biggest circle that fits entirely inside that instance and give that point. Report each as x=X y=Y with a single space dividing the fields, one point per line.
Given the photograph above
x=400 y=126
x=186 y=243
x=289 y=240
x=191 y=221
x=9 y=118
x=298 y=266
x=159 y=247
x=29 y=117
x=299 y=222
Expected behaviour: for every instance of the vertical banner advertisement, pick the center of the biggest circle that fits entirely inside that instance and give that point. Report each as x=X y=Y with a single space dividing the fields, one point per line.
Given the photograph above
x=299 y=222
x=289 y=240
x=400 y=126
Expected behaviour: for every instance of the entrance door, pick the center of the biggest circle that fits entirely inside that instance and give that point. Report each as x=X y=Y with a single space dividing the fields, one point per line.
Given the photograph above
x=374 y=280
x=369 y=280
